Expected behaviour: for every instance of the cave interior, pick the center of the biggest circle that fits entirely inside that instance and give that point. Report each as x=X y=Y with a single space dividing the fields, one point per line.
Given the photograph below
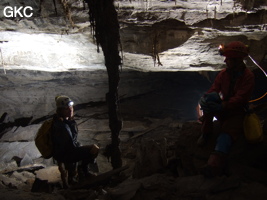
x=136 y=70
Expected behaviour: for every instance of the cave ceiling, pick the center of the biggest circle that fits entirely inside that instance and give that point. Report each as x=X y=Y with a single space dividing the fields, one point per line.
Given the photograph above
x=155 y=35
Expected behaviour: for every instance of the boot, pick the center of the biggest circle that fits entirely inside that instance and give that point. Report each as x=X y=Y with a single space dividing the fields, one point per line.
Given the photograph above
x=63 y=174
x=73 y=177
x=72 y=173
x=216 y=165
x=84 y=173
x=93 y=166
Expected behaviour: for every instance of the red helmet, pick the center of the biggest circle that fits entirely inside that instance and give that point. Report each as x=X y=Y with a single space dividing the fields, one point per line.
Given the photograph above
x=234 y=49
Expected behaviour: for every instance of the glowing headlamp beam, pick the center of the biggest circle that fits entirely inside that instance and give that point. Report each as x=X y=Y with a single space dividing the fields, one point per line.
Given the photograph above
x=71 y=103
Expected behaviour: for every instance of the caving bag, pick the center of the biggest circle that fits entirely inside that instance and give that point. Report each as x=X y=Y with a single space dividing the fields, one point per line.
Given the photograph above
x=252 y=128
x=43 y=139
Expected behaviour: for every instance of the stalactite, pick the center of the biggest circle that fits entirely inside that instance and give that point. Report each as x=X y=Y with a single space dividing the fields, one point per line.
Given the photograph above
x=2 y=61
x=66 y=9
x=103 y=19
x=215 y=12
x=251 y=4
x=67 y=12
x=41 y=3
x=155 y=49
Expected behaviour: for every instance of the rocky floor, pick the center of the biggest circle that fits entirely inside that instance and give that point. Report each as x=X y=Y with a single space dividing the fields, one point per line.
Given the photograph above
x=160 y=161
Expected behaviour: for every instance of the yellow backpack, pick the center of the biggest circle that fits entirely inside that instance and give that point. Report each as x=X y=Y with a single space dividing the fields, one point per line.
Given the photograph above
x=252 y=128
x=43 y=139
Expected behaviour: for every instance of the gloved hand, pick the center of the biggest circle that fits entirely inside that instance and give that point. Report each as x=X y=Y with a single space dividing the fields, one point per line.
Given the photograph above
x=212 y=107
x=202 y=102
x=211 y=102
x=212 y=97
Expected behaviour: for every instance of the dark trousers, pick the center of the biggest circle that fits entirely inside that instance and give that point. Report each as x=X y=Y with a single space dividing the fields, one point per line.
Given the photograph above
x=231 y=124
x=82 y=154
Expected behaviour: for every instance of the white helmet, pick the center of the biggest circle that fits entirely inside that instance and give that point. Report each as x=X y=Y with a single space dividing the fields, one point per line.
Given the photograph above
x=63 y=101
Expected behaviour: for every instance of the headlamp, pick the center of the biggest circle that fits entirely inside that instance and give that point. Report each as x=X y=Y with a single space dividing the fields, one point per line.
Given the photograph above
x=63 y=101
x=221 y=49
x=71 y=103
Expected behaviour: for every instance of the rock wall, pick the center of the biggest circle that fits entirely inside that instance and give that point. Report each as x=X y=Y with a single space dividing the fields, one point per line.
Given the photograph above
x=27 y=93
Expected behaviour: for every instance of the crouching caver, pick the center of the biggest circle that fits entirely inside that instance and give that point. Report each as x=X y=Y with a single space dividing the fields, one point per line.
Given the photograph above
x=226 y=100
x=66 y=149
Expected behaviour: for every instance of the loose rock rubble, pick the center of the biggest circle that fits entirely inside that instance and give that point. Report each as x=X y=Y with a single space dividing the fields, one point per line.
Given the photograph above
x=160 y=161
